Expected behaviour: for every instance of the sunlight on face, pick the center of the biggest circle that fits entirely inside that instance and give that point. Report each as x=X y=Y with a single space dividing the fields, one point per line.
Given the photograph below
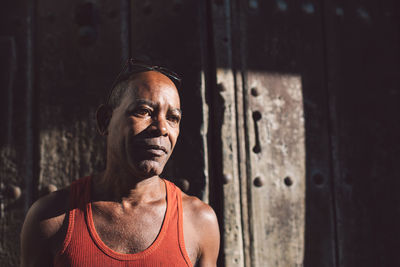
x=144 y=128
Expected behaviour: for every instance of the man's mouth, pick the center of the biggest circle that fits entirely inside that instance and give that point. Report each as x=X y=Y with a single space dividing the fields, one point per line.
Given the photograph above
x=155 y=150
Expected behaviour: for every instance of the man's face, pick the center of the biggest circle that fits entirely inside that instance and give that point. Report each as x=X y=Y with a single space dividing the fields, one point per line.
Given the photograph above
x=145 y=126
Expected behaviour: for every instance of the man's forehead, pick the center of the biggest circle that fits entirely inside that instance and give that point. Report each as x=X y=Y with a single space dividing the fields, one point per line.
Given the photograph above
x=152 y=92
x=149 y=77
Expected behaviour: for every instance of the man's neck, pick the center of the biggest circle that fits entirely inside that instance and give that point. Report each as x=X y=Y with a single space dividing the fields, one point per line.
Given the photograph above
x=116 y=185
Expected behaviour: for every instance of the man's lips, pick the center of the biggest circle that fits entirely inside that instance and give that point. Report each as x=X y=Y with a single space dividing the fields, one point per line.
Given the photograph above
x=152 y=150
x=155 y=147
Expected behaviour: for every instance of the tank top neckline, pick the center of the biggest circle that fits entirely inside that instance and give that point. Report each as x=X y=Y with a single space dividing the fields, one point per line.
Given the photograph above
x=139 y=255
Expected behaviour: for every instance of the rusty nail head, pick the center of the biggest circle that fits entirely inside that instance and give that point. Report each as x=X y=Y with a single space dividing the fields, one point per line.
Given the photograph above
x=255 y=91
x=257 y=115
x=308 y=8
x=363 y=13
x=51 y=188
x=288 y=181
x=184 y=185
x=253 y=4
x=258 y=181
x=12 y=192
x=227 y=178
x=339 y=11
x=47 y=189
x=318 y=179
x=221 y=87
x=282 y=5
x=16 y=192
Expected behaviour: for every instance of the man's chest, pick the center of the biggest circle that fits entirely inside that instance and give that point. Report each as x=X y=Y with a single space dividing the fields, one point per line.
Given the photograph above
x=136 y=230
x=128 y=230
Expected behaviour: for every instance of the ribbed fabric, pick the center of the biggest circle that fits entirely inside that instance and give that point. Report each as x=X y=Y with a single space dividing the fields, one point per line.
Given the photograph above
x=83 y=247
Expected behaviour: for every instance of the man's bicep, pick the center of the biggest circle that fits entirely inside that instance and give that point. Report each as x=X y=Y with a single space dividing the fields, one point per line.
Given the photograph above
x=34 y=245
x=210 y=241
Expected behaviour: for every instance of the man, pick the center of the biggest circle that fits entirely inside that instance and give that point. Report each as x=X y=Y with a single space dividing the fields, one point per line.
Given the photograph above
x=127 y=215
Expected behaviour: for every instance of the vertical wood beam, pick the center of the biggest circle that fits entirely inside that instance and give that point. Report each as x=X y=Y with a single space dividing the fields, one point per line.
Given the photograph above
x=16 y=136
x=320 y=221
x=275 y=132
x=225 y=108
x=363 y=67
x=80 y=50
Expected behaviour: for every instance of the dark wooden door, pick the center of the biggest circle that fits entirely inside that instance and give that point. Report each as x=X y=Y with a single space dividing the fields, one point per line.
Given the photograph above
x=291 y=107
x=312 y=91
x=58 y=61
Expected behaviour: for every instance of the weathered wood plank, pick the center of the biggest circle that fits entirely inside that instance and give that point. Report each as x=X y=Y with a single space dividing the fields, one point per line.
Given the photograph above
x=320 y=239
x=232 y=228
x=80 y=50
x=276 y=131
x=285 y=38
x=224 y=116
x=363 y=58
x=238 y=58
x=16 y=155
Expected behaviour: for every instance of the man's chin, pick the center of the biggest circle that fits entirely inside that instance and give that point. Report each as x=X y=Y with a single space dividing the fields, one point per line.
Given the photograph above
x=148 y=168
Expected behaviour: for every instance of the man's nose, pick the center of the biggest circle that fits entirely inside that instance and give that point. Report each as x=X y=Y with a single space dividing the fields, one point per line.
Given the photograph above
x=160 y=126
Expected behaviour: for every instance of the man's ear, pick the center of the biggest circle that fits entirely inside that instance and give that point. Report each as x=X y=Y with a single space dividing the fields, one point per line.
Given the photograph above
x=103 y=117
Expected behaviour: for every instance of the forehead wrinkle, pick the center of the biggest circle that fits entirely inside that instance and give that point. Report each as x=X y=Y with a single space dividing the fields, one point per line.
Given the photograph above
x=157 y=84
x=134 y=86
x=152 y=75
x=149 y=79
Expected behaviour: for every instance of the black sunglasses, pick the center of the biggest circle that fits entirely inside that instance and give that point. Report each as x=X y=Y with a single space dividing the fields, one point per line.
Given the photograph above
x=133 y=66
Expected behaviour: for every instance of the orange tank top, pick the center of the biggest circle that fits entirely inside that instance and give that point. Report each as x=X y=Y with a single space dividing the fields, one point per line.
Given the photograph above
x=83 y=247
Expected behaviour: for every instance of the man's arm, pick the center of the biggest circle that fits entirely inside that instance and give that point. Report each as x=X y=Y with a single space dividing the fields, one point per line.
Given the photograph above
x=41 y=227
x=210 y=237
x=201 y=232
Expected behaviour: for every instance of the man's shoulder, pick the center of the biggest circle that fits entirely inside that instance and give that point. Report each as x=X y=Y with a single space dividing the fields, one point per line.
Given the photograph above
x=48 y=212
x=201 y=217
x=52 y=203
x=200 y=211
x=204 y=229
x=43 y=229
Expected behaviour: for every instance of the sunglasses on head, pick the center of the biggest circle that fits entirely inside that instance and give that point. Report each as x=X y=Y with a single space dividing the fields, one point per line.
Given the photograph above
x=133 y=66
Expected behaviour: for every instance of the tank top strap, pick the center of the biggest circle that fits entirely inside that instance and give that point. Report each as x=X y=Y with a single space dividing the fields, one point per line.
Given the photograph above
x=79 y=193
x=175 y=195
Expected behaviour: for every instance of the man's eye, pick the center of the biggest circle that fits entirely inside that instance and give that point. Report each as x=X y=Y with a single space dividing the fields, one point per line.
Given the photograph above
x=143 y=112
x=174 y=118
